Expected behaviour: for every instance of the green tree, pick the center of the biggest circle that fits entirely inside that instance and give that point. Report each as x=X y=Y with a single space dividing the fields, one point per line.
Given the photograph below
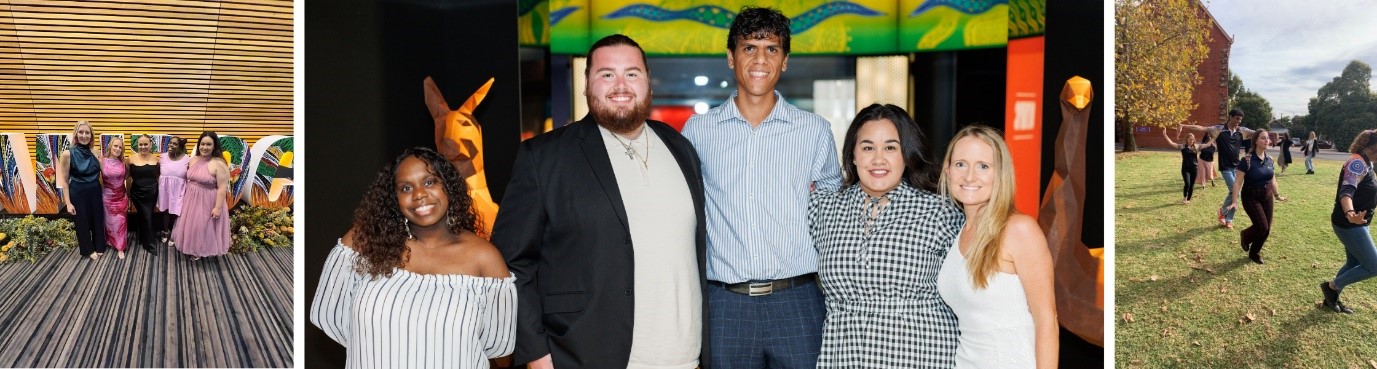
x=1345 y=106
x=1158 y=47
x=1235 y=86
x=1257 y=112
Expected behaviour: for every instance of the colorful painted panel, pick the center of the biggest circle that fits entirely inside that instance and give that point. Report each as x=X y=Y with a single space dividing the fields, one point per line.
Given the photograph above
x=273 y=172
x=1027 y=18
x=532 y=17
x=237 y=155
x=16 y=175
x=569 y=26
x=672 y=27
x=132 y=147
x=47 y=149
x=927 y=25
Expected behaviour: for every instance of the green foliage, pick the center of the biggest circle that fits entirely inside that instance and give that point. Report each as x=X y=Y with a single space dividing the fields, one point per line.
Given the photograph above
x=1186 y=296
x=1257 y=112
x=1158 y=47
x=254 y=228
x=1345 y=105
x=32 y=237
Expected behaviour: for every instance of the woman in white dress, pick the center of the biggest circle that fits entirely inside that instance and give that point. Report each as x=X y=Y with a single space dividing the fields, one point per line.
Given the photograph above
x=411 y=284
x=997 y=277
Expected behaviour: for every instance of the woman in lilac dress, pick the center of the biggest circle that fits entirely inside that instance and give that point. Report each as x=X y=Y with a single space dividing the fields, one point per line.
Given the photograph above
x=203 y=229
x=114 y=172
x=171 y=183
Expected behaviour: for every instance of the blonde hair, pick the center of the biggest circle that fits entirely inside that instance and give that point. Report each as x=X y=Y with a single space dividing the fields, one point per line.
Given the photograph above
x=106 y=152
x=983 y=259
x=77 y=127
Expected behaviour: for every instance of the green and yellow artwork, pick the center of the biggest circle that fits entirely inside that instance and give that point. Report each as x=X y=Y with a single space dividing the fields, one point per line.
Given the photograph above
x=928 y=25
x=533 y=23
x=569 y=26
x=683 y=27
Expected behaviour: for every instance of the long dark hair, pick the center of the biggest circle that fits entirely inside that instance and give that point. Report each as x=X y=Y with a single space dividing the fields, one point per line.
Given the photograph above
x=380 y=229
x=214 y=152
x=917 y=168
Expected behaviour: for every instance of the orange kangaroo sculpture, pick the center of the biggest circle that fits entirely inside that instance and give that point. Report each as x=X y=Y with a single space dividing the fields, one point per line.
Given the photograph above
x=459 y=138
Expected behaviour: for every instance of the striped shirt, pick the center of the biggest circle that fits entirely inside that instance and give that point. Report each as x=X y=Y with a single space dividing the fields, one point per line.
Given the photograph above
x=412 y=320
x=756 y=182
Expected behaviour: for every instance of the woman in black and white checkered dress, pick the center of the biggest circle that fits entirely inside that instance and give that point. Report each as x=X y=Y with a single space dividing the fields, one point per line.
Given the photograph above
x=881 y=240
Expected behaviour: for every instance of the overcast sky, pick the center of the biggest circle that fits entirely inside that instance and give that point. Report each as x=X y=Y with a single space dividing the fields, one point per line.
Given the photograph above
x=1287 y=50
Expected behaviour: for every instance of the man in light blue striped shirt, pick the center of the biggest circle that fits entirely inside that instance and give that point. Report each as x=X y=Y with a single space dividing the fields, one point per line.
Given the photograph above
x=761 y=157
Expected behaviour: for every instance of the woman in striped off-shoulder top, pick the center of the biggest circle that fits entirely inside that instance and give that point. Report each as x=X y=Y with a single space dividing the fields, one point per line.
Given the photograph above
x=412 y=284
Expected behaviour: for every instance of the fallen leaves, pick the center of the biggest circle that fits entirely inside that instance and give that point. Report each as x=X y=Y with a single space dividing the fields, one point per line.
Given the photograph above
x=1128 y=317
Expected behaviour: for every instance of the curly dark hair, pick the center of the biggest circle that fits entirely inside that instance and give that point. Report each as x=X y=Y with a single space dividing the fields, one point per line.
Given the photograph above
x=380 y=230
x=215 y=151
x=755 y=23
x=918 y=171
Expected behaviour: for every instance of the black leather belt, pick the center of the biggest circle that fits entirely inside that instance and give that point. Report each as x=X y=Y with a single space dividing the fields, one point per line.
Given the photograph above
x=766 y=287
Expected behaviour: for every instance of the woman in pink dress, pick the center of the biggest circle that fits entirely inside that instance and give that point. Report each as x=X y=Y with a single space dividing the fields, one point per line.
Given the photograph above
x=113 y=170
x=171 y=183
x=203 y=229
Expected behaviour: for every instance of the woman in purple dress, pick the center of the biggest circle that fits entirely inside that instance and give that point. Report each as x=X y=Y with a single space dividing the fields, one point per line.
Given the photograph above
x=114 y=172
x=203 y=229
x=171 y=184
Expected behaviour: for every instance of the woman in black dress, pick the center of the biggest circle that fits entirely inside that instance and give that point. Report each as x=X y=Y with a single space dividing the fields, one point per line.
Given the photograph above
x=143 y=189
x=1285 y=151
x=1190 y=151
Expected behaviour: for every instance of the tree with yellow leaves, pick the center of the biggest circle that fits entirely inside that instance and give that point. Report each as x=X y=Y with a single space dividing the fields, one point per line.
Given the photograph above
x=1158 y=46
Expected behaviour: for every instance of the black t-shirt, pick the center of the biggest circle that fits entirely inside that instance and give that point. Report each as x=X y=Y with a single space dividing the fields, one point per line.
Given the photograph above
x=1207 y=153
x=1357 y=181
x=1229 y=143
x=1187 y=157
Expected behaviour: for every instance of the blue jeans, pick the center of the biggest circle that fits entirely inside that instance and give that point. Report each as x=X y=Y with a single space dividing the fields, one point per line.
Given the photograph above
x=1361 y=256
x=780 y=330
x=1309 y=163
x=1228 y=175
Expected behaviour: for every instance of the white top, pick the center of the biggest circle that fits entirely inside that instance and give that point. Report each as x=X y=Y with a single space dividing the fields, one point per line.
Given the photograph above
x=996 y=325
x=666 y=330
x=412 y=320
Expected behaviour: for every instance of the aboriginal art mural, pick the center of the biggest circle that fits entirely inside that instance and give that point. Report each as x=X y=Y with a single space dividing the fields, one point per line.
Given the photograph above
x=16 y=176
x=952 y=24
x=47 y=148
x=533 y=22
x=569 y=26
x=273 y=174
x=675 y=27
x=236 y=153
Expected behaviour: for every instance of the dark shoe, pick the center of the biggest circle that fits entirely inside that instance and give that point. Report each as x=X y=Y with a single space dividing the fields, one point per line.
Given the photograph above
x=1339 y=307
x=1255 y=258
x=1331 y=297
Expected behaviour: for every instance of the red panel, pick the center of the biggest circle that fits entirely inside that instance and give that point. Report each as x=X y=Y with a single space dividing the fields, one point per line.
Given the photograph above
x=674 y=115
x=1023 y=120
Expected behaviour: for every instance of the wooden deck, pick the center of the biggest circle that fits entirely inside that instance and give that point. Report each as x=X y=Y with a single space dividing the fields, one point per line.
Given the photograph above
x=147 y=311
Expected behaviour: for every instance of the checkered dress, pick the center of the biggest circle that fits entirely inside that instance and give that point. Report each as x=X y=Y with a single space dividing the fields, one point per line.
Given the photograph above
x=883 y=310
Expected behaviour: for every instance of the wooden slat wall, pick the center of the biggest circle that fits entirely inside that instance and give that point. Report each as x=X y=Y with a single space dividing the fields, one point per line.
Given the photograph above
x=145 y=66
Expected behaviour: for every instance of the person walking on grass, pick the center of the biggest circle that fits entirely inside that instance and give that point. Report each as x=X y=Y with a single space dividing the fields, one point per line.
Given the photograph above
x=1285 y=151
x=1230 y=139
x=1206 y=167
x=1311 y=147
x=1190 y=155
x=1353 y=206
x=1258 y=189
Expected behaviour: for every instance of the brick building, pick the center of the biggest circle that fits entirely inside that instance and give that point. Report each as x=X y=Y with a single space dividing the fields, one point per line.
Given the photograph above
x=1211 y=96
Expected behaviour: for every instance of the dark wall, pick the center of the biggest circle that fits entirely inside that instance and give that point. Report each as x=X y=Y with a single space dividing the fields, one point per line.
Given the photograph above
x=952 y=89
x=365 y=61
x=1075 y=47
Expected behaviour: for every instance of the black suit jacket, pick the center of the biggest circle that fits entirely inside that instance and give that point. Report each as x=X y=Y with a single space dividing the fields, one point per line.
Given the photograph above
x=562 y=228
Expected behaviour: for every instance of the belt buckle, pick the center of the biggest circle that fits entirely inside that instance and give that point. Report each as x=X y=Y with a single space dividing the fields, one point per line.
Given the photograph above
x=760 y=289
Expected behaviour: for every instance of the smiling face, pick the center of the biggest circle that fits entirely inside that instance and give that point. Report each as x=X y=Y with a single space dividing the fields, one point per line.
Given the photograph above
x=618 y=89
x=971 y=172
x=83 y=134
x=420 y=193
x=879 y=158
x=145 y=144
x=758 y=64
x=116 y=148
x=205 y=146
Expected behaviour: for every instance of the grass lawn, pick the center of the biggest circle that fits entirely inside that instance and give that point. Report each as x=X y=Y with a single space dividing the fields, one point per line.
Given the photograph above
x=1186 y=296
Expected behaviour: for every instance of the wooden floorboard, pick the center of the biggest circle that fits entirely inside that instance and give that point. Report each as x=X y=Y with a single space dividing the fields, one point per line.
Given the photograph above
x=147 y=311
